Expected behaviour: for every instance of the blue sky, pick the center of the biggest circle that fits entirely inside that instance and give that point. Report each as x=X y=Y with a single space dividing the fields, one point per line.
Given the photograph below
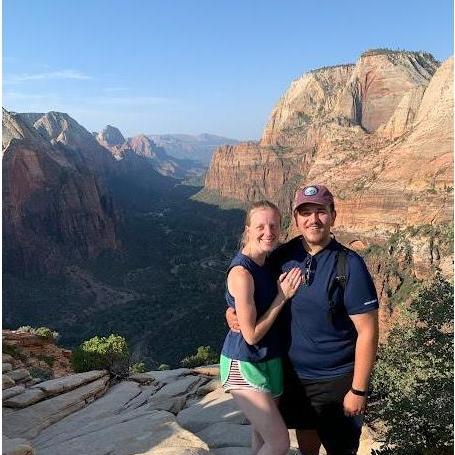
x=187 y=66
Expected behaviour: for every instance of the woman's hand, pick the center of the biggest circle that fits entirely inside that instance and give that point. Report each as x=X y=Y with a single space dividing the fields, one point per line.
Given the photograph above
x=289 y=282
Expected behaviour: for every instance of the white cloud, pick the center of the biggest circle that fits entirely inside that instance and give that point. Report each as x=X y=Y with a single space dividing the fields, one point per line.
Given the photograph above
x=62 y=74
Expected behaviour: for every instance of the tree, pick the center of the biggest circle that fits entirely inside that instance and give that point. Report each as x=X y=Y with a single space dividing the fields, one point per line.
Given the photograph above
x=413 y=380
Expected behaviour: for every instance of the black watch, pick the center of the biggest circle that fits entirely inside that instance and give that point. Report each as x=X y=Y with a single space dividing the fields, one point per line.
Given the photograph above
x=360 y=393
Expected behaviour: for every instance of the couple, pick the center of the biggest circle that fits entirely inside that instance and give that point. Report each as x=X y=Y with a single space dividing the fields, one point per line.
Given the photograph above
x=304 y=364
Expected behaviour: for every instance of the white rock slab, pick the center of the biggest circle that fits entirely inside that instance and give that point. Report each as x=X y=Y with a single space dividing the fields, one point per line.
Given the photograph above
x=7 y=382
x=164 y=403
x=124 y=434
x=110 y=404
x=6 y=367
x=175 y=451
x=28 y=422
x=65 y=383
x=26 y=398
x=216 y=406
x=232 y=451
x=16 y=390
x=21 y=374
x=211 y=386
x=17 y=446
x=183 y=386
x=165 y=377
x=224 y=434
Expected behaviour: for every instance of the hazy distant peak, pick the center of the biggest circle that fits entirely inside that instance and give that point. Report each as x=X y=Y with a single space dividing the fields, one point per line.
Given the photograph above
x=198 y=147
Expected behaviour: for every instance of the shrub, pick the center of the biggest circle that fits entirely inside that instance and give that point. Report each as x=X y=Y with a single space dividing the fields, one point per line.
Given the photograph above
x=413 y=379
x=43 y=332
x=46 y=358
x=46 y=333
x=137 y=368
x=41 y=373
x=205 y=355
x=13 y=351
x=101 y=353
x=25 y=328
x=164 y=366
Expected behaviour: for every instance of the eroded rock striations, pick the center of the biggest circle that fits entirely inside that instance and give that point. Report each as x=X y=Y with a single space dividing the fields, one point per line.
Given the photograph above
x=379 y=133
x=56 y=203
x=174 y=412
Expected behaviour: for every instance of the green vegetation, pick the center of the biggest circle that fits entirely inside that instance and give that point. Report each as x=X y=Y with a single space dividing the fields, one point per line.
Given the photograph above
x=205 y=355
x=413 y=379
x=137 y=368
x=43 y=332
x=47 y=359
x=164 y=367
x=101 y=353
x=14 y=351
x=171 y=262
x=41 y=373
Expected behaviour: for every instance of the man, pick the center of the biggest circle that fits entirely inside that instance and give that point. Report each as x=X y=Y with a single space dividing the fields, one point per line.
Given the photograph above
x=332 y=323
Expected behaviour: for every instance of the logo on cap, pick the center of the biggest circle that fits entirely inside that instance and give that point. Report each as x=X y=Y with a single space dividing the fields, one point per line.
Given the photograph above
x=310 y=191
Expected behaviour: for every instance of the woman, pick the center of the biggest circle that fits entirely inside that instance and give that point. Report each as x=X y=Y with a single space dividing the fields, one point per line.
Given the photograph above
x=250 y=363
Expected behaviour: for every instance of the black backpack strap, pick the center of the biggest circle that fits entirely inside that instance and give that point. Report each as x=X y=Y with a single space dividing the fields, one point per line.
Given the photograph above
x=338 y=281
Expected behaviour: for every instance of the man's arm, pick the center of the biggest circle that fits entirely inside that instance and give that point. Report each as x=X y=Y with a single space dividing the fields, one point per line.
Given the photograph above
x=366 y=346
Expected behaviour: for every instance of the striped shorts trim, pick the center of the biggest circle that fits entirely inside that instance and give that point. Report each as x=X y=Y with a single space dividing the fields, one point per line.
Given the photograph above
x=264 y=376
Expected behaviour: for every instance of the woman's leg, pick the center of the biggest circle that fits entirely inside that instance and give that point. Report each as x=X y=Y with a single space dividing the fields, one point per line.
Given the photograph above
x=256 y=442
x=262 y=412
x=309 y=442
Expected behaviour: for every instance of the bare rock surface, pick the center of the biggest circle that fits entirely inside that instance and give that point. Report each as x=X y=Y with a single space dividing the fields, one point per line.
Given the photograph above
x=16 y=446
x=60 y=385
x=225 y=434
x=28 y=422
x=163 y=377
x=215 y=407
x=24 y=399
x=11 y=392
x=176 y=412
x=7 y=382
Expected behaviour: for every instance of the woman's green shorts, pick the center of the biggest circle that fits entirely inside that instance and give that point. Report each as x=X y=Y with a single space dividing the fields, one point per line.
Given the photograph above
x=264 y=376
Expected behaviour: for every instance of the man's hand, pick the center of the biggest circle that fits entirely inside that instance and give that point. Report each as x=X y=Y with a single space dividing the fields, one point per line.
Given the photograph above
x=232 y=321
x=354 y=404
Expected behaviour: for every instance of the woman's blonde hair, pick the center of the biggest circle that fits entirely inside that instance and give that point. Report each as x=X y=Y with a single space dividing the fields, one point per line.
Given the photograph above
x=259 y=205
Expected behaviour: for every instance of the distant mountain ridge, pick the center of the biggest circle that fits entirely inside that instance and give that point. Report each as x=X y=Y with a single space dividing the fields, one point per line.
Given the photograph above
x=144 y=148
x=194 y=147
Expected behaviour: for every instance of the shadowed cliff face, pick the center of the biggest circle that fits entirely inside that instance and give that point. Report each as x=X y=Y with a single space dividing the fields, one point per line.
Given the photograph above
x=55 y=207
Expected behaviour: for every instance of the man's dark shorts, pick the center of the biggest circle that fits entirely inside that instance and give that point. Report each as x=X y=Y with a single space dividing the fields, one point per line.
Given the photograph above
x=318 y=405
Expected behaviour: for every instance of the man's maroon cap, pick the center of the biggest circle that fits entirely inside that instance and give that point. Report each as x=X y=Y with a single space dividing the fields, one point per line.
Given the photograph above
x=313 y=194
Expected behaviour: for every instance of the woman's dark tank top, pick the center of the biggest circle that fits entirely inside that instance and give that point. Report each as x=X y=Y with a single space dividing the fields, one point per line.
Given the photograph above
x=265 y=290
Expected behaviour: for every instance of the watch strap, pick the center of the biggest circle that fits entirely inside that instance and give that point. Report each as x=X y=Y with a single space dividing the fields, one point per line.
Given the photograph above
x=360 y=393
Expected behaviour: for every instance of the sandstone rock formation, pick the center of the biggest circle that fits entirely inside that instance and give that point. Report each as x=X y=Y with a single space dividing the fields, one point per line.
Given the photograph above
x=110 y=137
x=140 y=150
x=155 y=413
x=33 y=351
x=379 y=133
x=56 y=203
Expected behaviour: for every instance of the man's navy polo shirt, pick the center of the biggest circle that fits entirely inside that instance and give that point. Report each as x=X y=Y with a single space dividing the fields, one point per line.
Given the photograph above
x=319 y=346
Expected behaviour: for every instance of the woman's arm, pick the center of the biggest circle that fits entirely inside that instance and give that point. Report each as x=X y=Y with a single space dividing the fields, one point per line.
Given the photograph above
x=241 y=287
